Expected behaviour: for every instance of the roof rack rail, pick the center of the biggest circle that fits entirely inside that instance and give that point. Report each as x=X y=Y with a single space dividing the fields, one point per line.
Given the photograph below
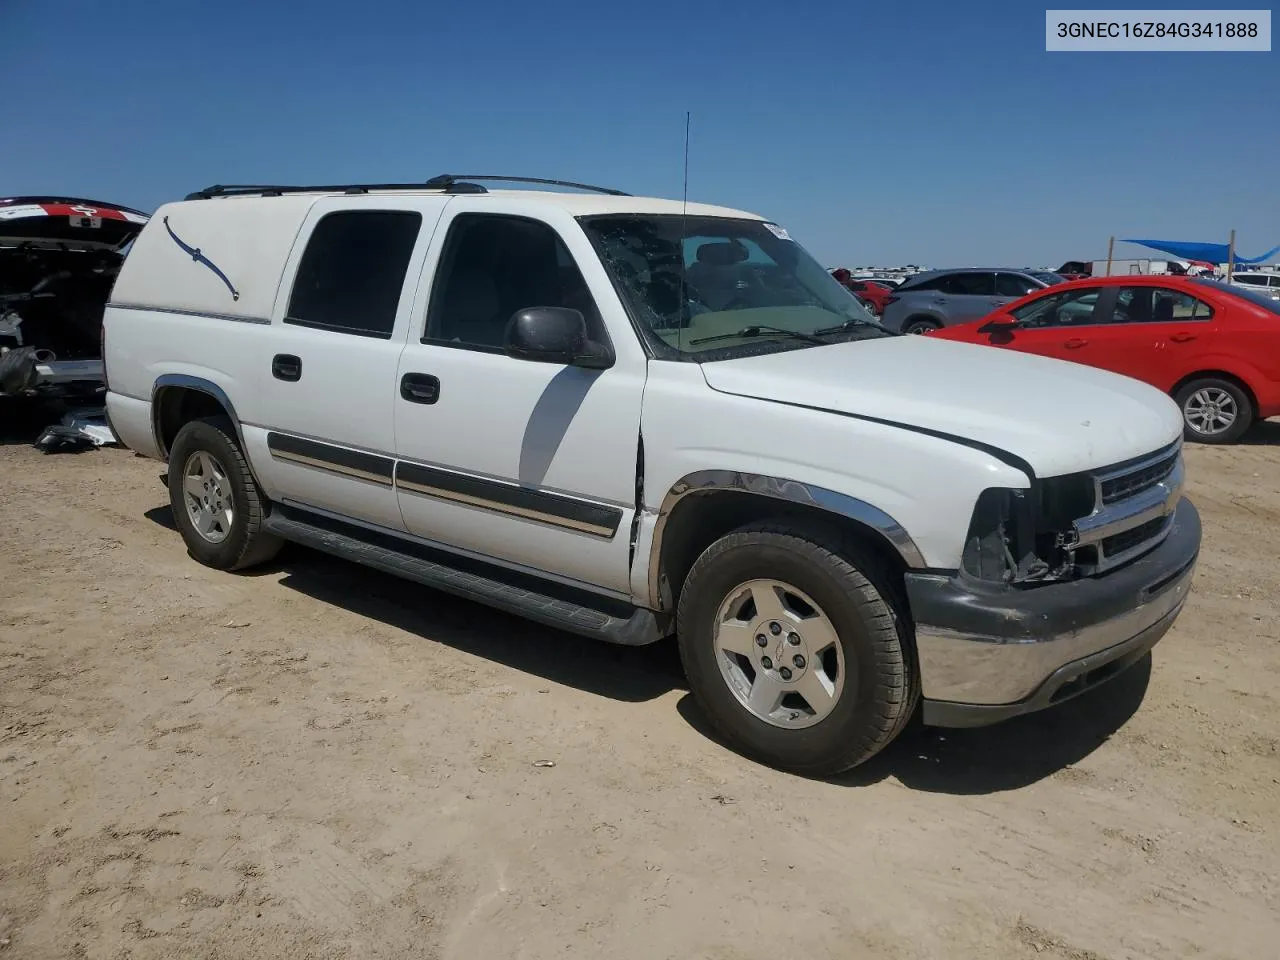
x=447 y=180
x=277 y=190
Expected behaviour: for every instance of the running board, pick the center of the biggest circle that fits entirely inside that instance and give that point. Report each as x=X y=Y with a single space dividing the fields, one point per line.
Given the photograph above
x=406 y=559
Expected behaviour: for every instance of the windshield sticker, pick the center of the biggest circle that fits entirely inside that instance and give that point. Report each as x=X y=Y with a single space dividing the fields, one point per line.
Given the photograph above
x=777 y=231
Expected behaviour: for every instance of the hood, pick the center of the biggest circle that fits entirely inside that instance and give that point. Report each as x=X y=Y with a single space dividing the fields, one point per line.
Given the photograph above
x=1058 y=417
x=67 y=223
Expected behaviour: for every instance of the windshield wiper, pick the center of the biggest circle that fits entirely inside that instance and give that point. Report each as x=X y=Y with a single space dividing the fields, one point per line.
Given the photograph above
x=849 y=325
x=757 y=329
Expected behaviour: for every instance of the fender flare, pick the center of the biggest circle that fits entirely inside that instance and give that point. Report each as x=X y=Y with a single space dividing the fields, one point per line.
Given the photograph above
x=188 y=382
x=776 y=488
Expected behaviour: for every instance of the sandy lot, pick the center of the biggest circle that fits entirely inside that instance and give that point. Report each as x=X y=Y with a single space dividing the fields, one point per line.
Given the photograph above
x=319 y=761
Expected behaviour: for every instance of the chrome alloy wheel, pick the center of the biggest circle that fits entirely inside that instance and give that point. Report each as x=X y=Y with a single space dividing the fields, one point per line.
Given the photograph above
x=1210 y=411
x=207 y=494
x=779 y=654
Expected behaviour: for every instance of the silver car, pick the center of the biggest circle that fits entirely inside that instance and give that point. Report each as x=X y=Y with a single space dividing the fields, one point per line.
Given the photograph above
x=944 y=298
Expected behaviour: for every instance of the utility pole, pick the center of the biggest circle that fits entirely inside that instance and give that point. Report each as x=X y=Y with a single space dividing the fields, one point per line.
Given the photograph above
x=1111 y=246
x=1231 y=257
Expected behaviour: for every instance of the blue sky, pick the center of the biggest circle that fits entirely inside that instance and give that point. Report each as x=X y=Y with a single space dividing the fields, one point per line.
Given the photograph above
x=924 y=132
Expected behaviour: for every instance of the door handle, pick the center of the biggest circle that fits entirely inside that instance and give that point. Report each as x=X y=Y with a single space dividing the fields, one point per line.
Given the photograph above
x=1182 y=337
x=420 y=388
x=285 y=366
x=1075 y=343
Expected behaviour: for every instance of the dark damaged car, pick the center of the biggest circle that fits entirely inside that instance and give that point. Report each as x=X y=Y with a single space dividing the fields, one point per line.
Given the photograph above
x=59 y=257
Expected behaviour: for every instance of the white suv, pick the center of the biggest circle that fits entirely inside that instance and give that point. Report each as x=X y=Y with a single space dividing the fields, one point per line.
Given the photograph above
x=628 y=418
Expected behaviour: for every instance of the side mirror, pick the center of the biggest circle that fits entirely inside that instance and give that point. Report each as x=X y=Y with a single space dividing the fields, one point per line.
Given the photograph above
x=1000 y=323
x=554 y=335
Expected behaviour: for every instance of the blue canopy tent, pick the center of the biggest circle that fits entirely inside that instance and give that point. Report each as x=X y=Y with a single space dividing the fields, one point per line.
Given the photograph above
x=1206 y=252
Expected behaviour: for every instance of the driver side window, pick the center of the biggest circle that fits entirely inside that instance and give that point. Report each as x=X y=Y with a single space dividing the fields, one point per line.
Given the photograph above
x=1064 y=308
x=493 y=266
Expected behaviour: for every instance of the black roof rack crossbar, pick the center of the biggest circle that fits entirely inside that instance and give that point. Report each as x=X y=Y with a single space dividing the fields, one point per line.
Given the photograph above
x=446 y=180
x=265 y=189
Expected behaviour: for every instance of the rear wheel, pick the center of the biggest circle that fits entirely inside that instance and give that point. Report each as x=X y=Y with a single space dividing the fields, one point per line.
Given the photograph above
x=916 y=326
x=1214 y=410
x=216 y=502
x=794 y=649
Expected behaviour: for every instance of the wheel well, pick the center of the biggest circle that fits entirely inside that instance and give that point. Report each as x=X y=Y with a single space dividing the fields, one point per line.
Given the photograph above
x=175 y=407
x=699 y=520
x=1218 y=375
x=921 y=318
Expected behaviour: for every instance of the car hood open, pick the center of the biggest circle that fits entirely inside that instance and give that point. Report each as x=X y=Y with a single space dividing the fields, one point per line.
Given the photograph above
x=1057 y=417
x=67 y=223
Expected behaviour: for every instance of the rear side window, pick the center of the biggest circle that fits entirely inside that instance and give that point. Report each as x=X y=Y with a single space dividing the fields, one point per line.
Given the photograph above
x=352 y=272
x=970 y=284
x=1157 y=305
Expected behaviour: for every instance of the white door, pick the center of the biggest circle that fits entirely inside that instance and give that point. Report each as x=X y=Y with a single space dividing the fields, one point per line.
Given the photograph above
x=526 y=463
x=327 y=372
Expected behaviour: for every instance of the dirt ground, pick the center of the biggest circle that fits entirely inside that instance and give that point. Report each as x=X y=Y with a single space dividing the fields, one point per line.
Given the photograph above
x=320 y=761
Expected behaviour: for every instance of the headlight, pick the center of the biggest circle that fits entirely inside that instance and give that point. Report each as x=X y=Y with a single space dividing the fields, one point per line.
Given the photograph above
x=1025 y=535
x=994 y=542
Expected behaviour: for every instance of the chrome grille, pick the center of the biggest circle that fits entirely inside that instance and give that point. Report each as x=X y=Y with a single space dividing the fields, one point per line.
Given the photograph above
x=1114 y=487
x=1133 y=510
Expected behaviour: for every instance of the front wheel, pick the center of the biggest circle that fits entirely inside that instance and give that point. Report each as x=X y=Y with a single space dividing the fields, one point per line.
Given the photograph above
x=794 y=649
x=1214 y=410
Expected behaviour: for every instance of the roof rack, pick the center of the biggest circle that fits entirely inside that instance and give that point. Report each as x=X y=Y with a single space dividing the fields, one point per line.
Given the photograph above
x=447 y=182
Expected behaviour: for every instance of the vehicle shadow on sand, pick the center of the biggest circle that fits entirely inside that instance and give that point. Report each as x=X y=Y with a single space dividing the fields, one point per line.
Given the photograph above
x=1006 y=756
x=1264 y=434
x=628 y=674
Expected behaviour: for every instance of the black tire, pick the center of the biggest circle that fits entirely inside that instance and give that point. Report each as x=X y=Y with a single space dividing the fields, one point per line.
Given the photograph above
x=920 y=325
x=881 y=685
x=1187 y=394
x=246 y=543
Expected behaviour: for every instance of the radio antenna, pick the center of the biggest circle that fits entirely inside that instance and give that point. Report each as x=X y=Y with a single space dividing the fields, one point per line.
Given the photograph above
x=684 y=223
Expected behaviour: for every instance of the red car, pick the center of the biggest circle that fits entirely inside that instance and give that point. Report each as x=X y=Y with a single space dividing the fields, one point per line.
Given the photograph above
x=1215 y=349
x=873 y=295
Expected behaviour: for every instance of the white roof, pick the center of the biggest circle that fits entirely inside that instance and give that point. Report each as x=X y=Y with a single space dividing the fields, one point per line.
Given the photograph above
x=577 y=204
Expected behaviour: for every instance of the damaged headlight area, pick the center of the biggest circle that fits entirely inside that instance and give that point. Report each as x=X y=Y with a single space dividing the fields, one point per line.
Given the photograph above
x=1027 y=535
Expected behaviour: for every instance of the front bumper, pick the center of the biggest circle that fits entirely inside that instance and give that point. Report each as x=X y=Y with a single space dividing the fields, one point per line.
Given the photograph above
x=989 y=652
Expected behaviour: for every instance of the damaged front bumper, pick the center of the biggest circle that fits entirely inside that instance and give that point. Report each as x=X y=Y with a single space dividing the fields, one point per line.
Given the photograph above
x=990 y=652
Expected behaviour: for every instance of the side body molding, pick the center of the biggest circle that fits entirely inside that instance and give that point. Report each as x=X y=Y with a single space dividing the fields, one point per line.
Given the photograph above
x=793 y=491
x=186 y=381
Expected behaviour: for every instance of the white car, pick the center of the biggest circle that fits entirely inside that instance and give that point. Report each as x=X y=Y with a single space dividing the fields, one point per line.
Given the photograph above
x=627 y=418
x=1264 y=283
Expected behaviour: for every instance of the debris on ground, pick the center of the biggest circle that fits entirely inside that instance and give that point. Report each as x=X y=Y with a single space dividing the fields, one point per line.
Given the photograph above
x=79 y=430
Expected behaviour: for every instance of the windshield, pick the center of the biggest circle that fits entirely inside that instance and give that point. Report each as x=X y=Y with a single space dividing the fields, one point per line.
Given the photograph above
x=747 y=286
x=1257 y=297
x=1049 y=278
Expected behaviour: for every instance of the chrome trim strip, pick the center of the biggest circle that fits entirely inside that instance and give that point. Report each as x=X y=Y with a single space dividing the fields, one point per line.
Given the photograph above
x=499 y=503
x=792 y=491
x=346 y=471
x=437 y=492
x=143 y=308
x=357 y=464
x=460 y=552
